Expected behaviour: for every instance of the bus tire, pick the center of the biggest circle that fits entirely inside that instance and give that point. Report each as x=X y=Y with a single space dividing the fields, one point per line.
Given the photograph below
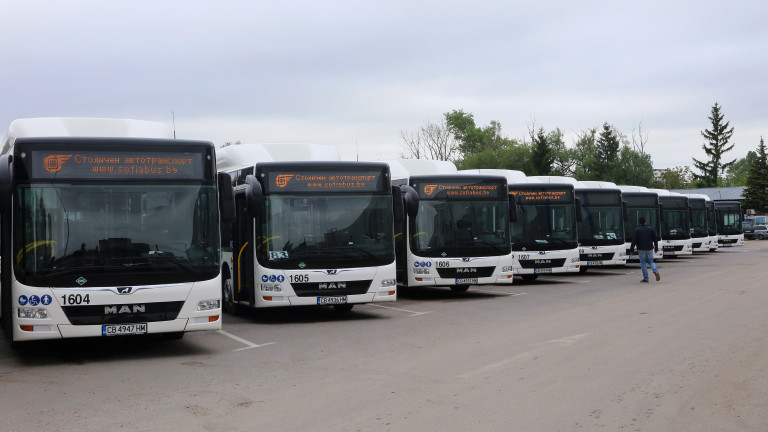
x=227 y=297
x=459 y=288
x=529 y=277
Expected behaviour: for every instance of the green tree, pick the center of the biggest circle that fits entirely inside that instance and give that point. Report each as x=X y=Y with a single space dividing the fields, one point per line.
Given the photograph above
x=756 y=193
x=542 y=154
x=473 y=139
x=634 y=168
x=736 y=175
x=607 y=149
x=585 y=155
x=715 y=146
x=674 y=178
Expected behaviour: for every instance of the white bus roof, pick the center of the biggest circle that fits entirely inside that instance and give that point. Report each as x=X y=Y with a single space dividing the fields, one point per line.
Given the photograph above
x=239 y=156
x=83 y=127
x=599 y=184
x=553 y=179
x=629 y=188
x=403 y=168
x=700 y=196
x=513 y=176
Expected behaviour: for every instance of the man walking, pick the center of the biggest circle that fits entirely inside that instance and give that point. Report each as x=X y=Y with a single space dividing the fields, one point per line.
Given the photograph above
x=644 y=238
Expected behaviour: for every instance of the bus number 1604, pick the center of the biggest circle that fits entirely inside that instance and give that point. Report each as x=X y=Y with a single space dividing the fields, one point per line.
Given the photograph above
x=75 y=299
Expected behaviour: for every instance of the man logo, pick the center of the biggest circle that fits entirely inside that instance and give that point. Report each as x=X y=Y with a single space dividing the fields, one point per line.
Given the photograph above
x=124 y=290
x=53 y=163
x=282 y=180
x=429 y=189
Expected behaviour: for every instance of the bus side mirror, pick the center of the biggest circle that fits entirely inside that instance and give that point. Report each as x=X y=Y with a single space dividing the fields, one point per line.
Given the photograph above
x=6 y=181
x=661 y=213
x=512 y=209
x=226 y=199
x=625 y=209
x=410 y=200
x=254 y=195
x=579 y=216
x=398 y=207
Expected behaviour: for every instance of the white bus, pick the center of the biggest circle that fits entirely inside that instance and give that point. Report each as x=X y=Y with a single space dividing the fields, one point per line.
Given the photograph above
x=729 y=218
x=309 y=229
x=460 y=236
x=543 y=228
x=701 y=236
x=641 y=202
x=676 y=223
x=109 y=227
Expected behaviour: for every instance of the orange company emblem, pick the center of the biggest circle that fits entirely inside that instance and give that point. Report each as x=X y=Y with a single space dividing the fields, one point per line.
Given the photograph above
x=282 y=180
x=428 y=189
x=53 y=163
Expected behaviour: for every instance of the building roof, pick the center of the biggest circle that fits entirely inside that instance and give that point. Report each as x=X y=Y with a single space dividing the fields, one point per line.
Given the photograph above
x=735 y=193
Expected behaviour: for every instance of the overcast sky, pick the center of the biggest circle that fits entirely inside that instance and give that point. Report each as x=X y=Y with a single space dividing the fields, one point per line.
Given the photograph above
x=356 y=73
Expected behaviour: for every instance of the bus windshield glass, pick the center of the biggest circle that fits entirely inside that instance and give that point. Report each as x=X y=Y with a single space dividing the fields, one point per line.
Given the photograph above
x=542 y=227
x=602 y=220
x=72 y=234
x=325 y=231
x=699 y=223
x=676 y=225
x=729 y=222
x=635 y=213
x=459 y=228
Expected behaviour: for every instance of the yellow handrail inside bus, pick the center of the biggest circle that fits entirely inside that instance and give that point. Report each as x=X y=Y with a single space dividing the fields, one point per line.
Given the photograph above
x=239 y=255
x=31 y=246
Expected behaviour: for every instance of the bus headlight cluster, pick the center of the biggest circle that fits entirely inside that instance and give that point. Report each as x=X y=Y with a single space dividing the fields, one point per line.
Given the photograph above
x=419 y=270
x=389 y=282
x=506 y=269
x=33 y=313
x=207 y=305
x=271 y=287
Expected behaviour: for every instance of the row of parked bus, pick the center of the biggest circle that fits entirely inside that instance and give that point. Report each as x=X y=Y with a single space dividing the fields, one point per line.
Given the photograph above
x=114 y=227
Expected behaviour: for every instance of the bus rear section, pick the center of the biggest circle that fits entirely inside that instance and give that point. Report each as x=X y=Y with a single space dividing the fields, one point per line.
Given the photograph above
x=543 y=234
x=729 y=228
x=108 y=236
x=311 y=233
x=460 y=236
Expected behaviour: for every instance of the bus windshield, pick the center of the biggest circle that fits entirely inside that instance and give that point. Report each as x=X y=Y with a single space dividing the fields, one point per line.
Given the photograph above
x=459 y=228
x=73 y=234
x=601 y=226
x=634 y=216
x=729 y=222
x=676 y=225
x=325 y=231
x=544 y=227
x=699 y=223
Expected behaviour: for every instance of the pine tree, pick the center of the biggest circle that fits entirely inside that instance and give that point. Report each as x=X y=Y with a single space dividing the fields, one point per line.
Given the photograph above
x=715 y=146
x=542 y=155
x=607 y=152
x=756 y=193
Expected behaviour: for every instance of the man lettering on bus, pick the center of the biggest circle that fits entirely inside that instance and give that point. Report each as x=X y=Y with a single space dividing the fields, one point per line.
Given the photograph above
x=644 y=238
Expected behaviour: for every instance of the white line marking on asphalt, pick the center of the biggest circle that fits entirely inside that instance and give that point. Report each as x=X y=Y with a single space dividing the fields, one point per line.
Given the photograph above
x=243 y=341
x=401 y=310
x=497 y=292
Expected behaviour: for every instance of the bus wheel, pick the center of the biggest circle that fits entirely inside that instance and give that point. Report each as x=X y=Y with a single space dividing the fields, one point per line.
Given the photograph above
x=529 y=277
x=343 y=307
x=227 y=297
x=459 y=288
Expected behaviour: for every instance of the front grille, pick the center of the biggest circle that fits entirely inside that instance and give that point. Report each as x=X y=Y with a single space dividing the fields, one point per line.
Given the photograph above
x=596 y=256
x=123 y=313
x=696 y=245
x=728 y=241
x=542 y=263
x=465 y=272
x=332 y=288
x=673 y=248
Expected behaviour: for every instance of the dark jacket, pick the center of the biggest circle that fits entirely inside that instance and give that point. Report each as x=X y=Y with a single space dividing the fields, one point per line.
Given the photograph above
x=644 y=237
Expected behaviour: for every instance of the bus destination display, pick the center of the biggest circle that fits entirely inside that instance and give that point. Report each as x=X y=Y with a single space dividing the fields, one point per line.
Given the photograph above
x=453 y=190
x=95 y=164
x=317 y=181
x=532 y=196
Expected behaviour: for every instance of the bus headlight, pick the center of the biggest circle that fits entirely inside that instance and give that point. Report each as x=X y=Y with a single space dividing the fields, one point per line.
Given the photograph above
x=506 y=269
x=271 y=287
x=207 y=305
x=389 y=282
x=418 y=270
x=33 y=313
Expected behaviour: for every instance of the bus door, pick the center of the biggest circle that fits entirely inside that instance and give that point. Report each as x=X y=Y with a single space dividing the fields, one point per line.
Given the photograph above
x=242 y=252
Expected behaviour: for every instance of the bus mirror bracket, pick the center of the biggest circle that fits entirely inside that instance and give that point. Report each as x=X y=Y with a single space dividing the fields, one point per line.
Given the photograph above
x=253 y=195
x=226 y=198
x=512 y=209
x=625 y=210
x=661 y=212
x=398 y=209
x=410 y=200
x=6 y=181
x=579 y=216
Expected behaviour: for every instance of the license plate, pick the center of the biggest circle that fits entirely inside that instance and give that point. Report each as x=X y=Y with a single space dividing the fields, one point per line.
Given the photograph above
x=332 y=300
x=124 y=329
x=542 y=270
x=669 y=252
x=594 y=263
x=466 y=281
